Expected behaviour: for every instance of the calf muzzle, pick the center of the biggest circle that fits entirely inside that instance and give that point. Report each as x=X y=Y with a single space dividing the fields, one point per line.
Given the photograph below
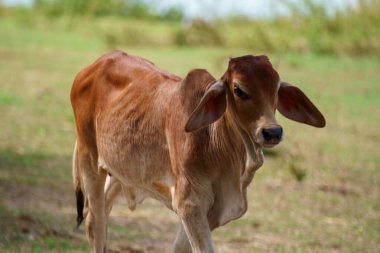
x=272 y=136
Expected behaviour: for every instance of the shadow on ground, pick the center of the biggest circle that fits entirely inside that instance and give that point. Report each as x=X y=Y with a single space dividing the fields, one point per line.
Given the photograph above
x=37 y=211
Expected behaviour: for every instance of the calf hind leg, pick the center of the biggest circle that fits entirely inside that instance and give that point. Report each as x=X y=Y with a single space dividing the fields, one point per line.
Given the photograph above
x=112 y=190
x=93 y=184
x=181 y=243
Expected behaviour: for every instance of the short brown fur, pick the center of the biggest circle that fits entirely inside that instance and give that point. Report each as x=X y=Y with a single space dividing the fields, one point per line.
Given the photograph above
x=131 y=118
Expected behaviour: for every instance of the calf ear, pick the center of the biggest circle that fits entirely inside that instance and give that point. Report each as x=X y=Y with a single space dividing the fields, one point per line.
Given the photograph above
x=211 y=107
x=293 y=104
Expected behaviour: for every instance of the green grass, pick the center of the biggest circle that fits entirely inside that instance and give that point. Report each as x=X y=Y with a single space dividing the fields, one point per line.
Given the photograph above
x=334 y=207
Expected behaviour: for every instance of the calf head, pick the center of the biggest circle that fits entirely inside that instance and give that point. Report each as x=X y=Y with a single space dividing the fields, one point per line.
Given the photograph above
x=251 y=91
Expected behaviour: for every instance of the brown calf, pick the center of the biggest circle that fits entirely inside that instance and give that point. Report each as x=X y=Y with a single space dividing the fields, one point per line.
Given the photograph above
x=194 y=143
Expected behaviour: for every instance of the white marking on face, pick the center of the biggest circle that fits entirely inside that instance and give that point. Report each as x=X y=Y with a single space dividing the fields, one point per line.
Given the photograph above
x=276 y=96
x=259 y=135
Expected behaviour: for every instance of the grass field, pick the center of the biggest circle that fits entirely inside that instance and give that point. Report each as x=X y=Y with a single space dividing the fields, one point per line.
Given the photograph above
x=319 y=191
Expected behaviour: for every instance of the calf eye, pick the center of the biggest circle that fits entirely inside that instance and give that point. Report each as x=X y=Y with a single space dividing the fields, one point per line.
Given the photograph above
x=240 y=93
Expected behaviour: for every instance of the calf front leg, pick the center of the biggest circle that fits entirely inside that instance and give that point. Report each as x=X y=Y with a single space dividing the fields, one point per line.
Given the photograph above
x=195 y=223
x=192 y=203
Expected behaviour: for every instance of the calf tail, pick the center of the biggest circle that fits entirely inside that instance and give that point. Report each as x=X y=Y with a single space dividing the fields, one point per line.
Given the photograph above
x=77 y=185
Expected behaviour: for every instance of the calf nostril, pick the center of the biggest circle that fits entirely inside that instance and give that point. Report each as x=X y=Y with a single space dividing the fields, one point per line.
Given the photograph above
x=266 y=134
x=279 y=133
x=272 y=133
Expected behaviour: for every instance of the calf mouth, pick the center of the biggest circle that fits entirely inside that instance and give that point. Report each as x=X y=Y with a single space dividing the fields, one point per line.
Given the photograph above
x=272 y=143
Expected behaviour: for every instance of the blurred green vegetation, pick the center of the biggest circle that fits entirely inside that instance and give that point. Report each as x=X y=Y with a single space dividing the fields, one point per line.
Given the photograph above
x=98 y=8
x=310 y=27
